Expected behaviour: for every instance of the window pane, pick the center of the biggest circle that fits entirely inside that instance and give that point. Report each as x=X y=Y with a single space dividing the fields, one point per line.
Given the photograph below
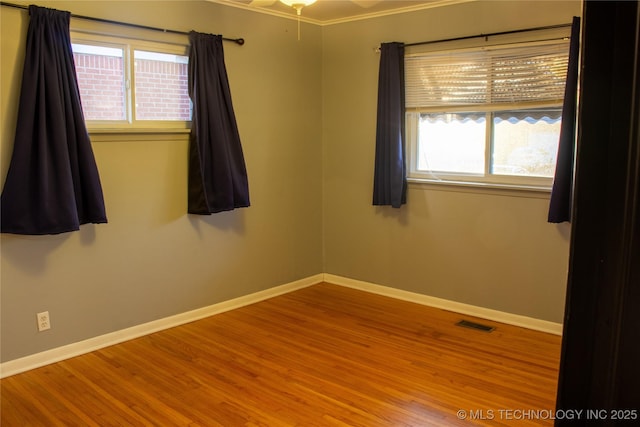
x=161 y=86
x=526 y=142
x=453 y=143
x=100 y=72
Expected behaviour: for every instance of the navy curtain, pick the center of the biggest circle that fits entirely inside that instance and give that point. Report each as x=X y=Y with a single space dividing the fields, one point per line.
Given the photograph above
x=390 y=179
x=217 y=173
x=52 y=185
x=562 y=191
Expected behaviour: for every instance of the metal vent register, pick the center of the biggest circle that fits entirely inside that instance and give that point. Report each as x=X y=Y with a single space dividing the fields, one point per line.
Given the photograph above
x=474 y=325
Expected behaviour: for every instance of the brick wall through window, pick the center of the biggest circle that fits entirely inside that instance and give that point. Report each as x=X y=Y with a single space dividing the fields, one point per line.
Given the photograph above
x=161 y=91
x=101 y=81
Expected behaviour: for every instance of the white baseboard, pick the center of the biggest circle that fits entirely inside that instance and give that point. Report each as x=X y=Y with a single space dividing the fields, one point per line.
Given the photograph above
x=37 y=360
x=458 y=307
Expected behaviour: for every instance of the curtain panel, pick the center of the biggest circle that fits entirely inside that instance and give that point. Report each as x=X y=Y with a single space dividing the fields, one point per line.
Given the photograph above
x=52 y=184
x=217 y=172
x=390 y=177
x=562 y=190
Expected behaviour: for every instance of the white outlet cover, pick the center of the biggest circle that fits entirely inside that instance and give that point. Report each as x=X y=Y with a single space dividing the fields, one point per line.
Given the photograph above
x=43 y=320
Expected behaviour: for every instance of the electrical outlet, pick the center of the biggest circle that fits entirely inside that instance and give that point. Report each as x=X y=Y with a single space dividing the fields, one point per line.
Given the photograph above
x=43 y=321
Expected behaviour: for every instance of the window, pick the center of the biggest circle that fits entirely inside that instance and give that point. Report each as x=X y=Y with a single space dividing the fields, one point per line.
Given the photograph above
x=101 y=79
x=487 y=115
x=161 y=91
x=131 y=84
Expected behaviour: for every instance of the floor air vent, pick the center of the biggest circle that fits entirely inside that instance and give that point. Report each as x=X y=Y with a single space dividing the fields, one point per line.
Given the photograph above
x=474 y=325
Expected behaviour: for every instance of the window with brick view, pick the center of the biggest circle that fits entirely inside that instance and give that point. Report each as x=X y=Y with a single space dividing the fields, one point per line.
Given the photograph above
x=101 y=78
x=153 y=88
x=161 y=91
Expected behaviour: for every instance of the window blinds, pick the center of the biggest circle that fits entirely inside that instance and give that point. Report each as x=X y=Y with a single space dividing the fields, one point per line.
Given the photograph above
x=512 y=75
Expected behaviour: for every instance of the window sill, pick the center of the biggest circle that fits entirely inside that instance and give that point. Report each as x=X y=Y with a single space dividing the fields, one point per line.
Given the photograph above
x=511 y=190
x=138 y=134
x=100 y=131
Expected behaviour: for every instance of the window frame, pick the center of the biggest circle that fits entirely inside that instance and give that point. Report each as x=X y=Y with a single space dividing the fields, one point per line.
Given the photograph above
x=130 y=46
x=487 y=179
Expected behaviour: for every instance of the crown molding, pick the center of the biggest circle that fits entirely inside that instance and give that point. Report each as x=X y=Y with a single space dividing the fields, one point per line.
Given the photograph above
x=323 y=23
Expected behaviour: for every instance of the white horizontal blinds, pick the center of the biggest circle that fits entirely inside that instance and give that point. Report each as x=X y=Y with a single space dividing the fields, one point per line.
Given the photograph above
x=511 y=75
x=536 y=73
x=446 y=79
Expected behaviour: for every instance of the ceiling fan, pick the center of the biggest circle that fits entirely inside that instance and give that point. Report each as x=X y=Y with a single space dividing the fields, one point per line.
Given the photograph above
x=299 y=4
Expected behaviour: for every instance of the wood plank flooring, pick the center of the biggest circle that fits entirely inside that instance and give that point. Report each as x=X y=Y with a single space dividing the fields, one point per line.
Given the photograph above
x=321 y=356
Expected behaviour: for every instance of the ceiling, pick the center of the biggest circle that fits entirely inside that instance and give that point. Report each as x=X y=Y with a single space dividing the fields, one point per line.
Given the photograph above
x=326 y=12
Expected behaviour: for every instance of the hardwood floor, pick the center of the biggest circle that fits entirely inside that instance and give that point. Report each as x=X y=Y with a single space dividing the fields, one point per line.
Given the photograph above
x=321 y=356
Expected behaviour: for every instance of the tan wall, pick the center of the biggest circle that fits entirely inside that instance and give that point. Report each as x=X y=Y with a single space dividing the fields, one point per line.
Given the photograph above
x=153 y=260
x=485 y=248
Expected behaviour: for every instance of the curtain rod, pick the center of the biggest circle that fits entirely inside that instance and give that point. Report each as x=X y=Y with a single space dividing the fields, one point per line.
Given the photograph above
x=239 y=41
x=549 y=27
